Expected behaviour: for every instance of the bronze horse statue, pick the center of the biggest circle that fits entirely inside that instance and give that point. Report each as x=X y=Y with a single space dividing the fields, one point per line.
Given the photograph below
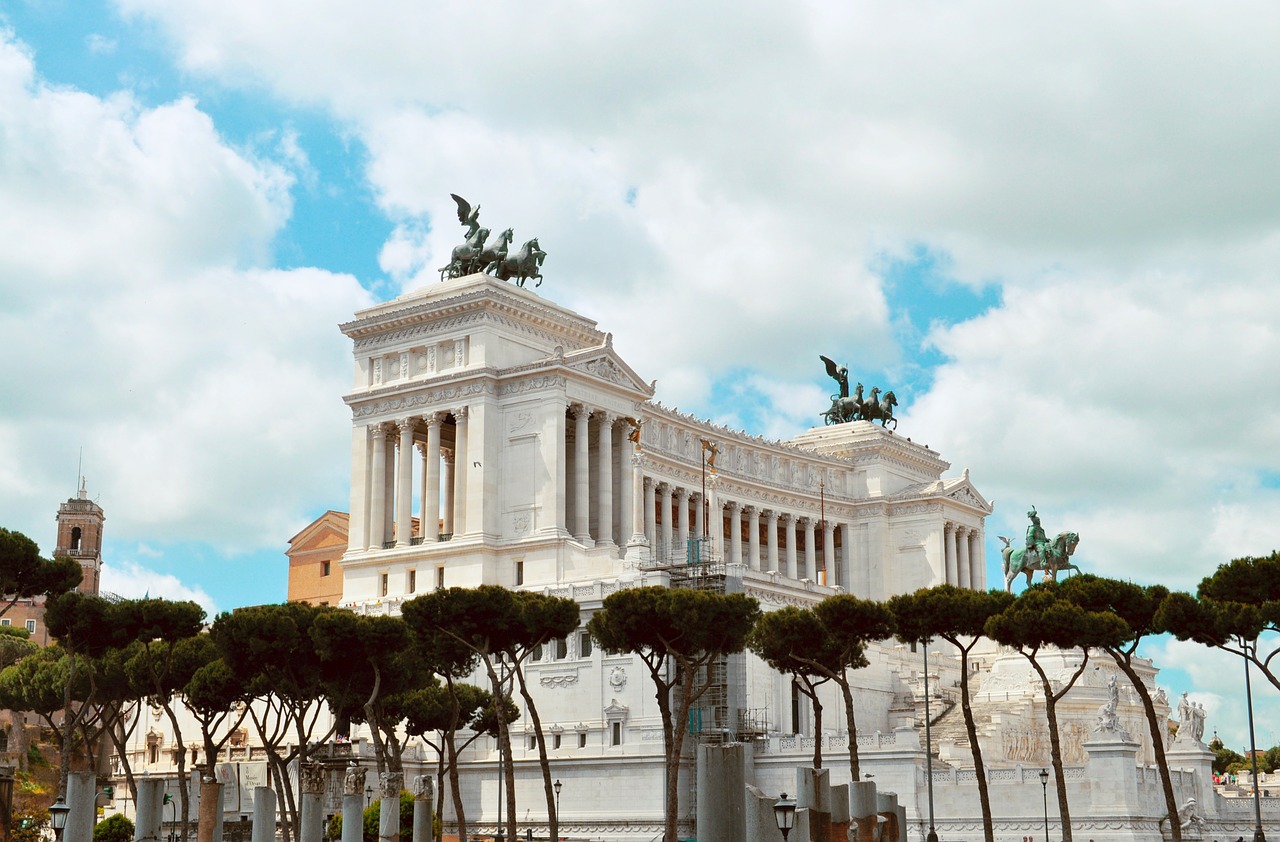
x=1050 y=557
x=521 y=266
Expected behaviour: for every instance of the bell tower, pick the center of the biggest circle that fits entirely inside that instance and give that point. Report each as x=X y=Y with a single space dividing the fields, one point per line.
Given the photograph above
x=80 y=537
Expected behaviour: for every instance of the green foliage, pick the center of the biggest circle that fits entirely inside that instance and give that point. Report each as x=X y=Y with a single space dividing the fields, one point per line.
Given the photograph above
x=372 y=818
x=23 y=573
x=29 y=824
x=685 y=624
x=36 y=683
x=115 y=828
x=1042 y=615
x=946 y=612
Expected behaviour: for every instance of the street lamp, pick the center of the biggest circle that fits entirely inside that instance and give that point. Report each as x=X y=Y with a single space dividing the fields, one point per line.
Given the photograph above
x=1044 y=784
x=784 y=813
x=557 y=787
x=1258 y=835
x=368 y=795
x=928 y=747
x=58 y=817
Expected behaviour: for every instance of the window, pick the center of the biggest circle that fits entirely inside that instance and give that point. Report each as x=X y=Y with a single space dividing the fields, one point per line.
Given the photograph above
x=615 y=733
x=555 y=741
x=411 y=584
x=324 y=603
x=537 y=652
x=533 y=743
x=6 y=622
x=75 y=539
x=519 y=572
x=324 y=568
x=153 y=753
x=383 y=589
x=582 y=740
x=31 y=626
x=439 y=578
x=584 y=645
x=561 y=649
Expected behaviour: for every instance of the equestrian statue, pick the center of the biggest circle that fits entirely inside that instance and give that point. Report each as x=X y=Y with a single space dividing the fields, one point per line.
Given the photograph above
x=846 y=407
x=1039 y=553
x=478 y=253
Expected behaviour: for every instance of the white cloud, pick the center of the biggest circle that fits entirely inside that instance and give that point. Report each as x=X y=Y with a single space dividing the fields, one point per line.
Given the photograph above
x=130 y=580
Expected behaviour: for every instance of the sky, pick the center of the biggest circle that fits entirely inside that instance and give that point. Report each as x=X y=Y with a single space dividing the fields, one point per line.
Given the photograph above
x=1053 y=232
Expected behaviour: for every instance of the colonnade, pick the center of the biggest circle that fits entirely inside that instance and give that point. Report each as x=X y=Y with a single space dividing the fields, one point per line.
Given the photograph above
x=965 y=566
x=443 y=478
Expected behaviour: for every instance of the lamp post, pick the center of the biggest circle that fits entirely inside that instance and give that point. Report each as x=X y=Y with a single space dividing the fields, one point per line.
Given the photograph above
x=368 y=795
x=173 y=815
x=784 y=814
x=1044 y=785
x=1258 y=835
x=928 y=747
x=557 y=787
x=58 y=817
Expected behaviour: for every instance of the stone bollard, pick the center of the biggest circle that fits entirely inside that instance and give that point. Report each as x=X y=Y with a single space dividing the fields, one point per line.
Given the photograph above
x=813 y=792
x=264 y=814
x=353 y=805
x=149 y=811
x=389 y=786
x=312 y=829
x=722 y=813
x=840 y=822
x=82 y=792
x=423 y=798
x=210 y=816
x=761 y=824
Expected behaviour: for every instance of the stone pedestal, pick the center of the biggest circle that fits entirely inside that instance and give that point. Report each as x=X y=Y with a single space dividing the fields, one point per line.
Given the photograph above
x=1195 y=756
x=150 y=809
x=264 y=814
x=210 y=827
x=423 y=794
x=813 y=792
x=1112 y=759
x=82 y=790
x=721 y=786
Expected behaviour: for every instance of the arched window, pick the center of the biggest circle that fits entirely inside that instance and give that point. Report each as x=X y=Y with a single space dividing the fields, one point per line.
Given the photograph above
x=75 y=538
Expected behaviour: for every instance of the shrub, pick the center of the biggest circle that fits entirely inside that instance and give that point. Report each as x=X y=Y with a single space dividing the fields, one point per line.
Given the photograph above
x=115 y=828
x=371 y=819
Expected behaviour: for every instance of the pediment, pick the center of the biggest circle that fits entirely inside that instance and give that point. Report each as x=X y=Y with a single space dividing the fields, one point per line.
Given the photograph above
x=605 y=364
x=330 y=529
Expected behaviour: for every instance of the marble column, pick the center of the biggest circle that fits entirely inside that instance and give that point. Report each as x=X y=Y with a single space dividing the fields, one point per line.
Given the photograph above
x=753 y=537
x=312 y=786
x=700 y=505
x=668 y=512
x=650 y=512
x=404 y=485
x=789 y=524
x=977 y=561
x=389 y=785
x=604 y=451
x=449 y=457
x=461 y=468
x=949 y=573
x=641 y=501
x=682 y=521
x=829 y=565
x=962 y=557
x=735 y=532
x=582 y=476
x=389 y=488
x=629 y=511
x=431 y=481
x=377 y=487
x=810 y=550
x=771 y=541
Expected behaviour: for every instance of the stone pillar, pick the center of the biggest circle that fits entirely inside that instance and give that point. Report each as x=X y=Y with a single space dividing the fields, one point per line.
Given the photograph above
x=668 y=512
x=404 y=486
x=753 y=537
x=700 y=506
x=628 y=512
x=722 y=813
x=150 y=810
x=789 y=523
x=977 y=561
x=389 y=488
x=264 y=814
x=461 y=468
x=813 y=791
x=210 y=826
x=829 y=565
x=582 y=475
x=641 y=502
x=949 y=571
x=377 y=488
x=353 y=805
x=962 y=556
x=431 y=481
x=389 y=786
x=449 y=457
x=1112 y=758
x=772 y=541
x=82 y=791
x=650 y=512
x=312 y=807
x=810 y=550
x=682 y=521
x=423 y=803
x=604 y=450
x=735 y=532
x=763 y=827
